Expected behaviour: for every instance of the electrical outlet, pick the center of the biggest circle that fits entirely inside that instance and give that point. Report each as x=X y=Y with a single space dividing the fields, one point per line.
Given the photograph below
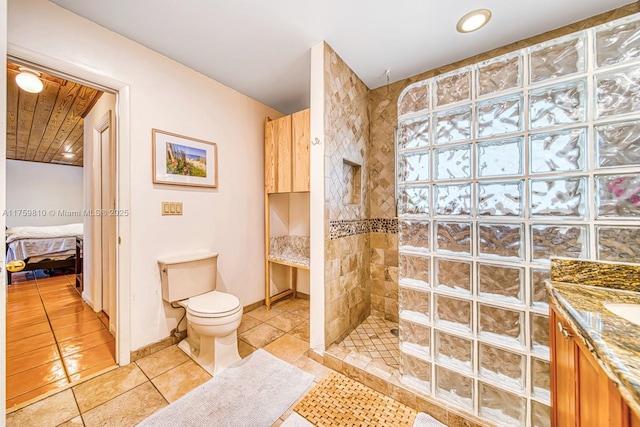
x=171 y=208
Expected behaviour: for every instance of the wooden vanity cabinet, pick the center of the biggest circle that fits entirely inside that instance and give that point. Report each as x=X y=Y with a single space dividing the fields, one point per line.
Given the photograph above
x=287 y=153
x=582 y=393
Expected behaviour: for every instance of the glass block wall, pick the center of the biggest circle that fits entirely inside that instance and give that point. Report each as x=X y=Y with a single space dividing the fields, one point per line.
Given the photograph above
x=502 y=165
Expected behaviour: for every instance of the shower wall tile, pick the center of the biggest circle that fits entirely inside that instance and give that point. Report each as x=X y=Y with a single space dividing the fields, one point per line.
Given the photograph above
x=384 y=270
x=346 y=134
x=348 y=294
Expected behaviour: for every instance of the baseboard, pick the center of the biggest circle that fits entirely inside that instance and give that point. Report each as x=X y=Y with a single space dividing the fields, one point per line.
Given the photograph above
x=153 y=348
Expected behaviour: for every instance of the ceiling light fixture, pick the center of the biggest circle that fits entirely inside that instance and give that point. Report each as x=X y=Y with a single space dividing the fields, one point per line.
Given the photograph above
x=29 y=80
x=69 y=155
x=473 y=20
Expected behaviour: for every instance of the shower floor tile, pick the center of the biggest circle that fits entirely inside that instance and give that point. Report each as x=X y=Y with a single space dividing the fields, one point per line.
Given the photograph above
x=373 y=338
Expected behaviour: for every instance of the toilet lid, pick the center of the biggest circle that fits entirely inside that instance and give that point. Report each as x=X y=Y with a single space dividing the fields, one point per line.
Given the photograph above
x=213 y=304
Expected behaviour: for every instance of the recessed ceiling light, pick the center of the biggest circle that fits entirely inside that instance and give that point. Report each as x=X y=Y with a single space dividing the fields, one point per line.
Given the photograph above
x=474 y=20
x=29 y=80
x=69 y=155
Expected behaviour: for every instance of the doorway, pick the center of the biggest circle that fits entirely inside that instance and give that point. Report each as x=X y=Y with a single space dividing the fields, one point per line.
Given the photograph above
x=68 y=329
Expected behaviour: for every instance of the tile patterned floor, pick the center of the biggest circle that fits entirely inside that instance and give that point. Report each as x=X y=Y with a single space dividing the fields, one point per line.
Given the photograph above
x=373 y=338
x=128 y=394
x=53 y=337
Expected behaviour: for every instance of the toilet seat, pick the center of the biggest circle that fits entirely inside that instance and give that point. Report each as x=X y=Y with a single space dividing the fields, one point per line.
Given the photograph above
x=213 y=304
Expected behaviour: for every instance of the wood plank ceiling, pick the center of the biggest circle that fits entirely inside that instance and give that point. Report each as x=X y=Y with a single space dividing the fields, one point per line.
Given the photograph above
x=41 y=127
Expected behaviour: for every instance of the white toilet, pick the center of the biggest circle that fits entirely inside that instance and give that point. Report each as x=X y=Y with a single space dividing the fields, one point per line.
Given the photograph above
x=213 y=317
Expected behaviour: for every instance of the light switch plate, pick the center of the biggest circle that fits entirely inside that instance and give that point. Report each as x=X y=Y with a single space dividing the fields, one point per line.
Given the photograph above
x=171 y=208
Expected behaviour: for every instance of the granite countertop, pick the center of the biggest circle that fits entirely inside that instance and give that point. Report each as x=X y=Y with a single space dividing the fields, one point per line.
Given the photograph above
x=612 y=340
x=290 y=249
x=288 y=259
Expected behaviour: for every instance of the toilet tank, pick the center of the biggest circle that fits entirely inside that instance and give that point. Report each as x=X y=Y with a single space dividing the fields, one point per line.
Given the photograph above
x=188 y=275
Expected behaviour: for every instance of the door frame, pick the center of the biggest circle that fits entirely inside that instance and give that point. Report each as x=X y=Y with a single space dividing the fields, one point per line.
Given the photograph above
x=121 y=123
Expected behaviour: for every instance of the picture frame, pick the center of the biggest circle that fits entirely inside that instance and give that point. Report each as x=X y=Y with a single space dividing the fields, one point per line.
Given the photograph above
x=181 y=160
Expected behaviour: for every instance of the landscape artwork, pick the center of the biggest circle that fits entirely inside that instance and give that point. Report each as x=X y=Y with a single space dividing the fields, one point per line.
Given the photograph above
x=181 y=160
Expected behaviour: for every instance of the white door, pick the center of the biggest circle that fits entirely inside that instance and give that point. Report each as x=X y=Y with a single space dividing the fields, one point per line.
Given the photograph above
x=107 y=217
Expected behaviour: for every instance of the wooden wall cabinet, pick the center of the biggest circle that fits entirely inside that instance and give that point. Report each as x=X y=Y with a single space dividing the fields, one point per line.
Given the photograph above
x=287 y=153
x=582 y=393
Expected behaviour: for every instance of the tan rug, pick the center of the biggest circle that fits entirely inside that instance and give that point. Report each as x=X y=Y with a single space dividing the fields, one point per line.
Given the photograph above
x=338 y=400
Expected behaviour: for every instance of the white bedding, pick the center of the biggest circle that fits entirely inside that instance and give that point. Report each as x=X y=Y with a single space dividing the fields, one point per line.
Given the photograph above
x=42 y=248
x=51 y=231
x=38 y=243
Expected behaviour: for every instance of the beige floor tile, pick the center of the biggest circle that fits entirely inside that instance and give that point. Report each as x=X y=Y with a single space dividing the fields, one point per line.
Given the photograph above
x=311 y=366
x=74 y=422
x=292 y=304
x=180 y=380
x=261 y=335
x=303 y=312
x=262 y=314
x=161 y=361
x=52 y=411
x=105 y=387
x=285 y=321
x=301 y=331
x=245 y=349
x=288 y=348
x=247 y=323
x=128 y=409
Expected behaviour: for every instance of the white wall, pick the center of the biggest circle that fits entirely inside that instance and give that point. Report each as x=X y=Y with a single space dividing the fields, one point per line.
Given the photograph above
x=44 y=187
x=169 y=96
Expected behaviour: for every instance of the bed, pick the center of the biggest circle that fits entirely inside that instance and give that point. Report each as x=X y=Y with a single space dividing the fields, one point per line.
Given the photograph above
x=42 y=248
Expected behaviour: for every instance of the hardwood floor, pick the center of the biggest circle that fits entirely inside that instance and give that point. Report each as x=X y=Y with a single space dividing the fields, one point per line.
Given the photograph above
x=53 y=337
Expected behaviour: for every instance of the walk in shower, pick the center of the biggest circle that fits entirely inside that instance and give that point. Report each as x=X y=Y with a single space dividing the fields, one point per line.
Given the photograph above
x=502 y=165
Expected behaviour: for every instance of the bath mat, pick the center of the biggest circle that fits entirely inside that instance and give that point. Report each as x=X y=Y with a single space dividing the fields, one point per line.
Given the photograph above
x=253 y=392
x=295 y=420
x=340 y=401
x=426 y=420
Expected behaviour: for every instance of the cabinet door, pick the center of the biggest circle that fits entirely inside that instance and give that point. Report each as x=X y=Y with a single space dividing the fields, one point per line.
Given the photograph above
x=599 y=402
x=300 y=139
x=563 y=361
x=269 y=156
x=282 y=133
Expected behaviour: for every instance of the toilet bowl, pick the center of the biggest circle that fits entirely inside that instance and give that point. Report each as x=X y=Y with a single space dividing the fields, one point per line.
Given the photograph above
x=212 y=323
x=213 y=317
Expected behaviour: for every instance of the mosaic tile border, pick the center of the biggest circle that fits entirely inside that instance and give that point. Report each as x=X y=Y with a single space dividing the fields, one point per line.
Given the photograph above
x=345 y=228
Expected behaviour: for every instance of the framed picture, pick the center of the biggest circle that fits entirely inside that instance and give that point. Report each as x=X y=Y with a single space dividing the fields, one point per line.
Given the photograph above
x=180 y=160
